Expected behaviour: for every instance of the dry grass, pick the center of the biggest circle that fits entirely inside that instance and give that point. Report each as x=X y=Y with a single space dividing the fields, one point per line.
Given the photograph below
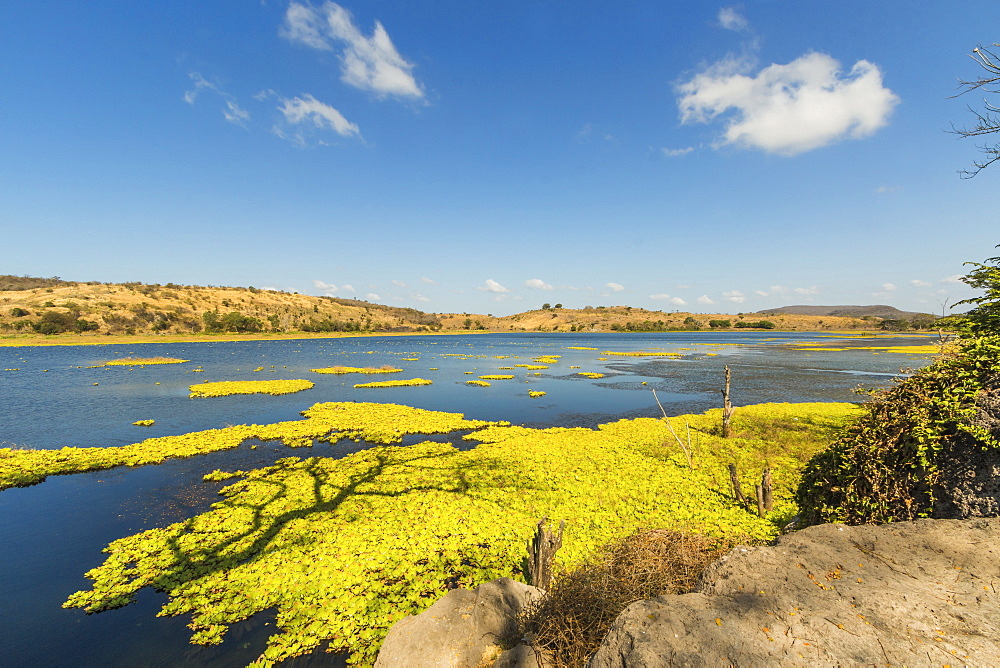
x=568 y=624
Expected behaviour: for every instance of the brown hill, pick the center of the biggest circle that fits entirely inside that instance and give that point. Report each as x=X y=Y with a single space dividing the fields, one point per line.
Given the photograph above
x=44 y=306
x=881 y=311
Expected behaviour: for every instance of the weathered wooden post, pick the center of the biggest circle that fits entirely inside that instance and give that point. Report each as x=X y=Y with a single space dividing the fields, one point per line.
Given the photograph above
x=542 y=552
x=765 y=497
x=734 y=478
x=727 y=408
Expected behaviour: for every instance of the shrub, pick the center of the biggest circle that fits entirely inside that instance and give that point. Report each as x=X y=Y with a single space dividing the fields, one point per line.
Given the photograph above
x=570 y=621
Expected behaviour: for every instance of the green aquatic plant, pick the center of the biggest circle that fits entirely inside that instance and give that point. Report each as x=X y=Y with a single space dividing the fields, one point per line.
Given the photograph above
x=342 y=548
x=228 y=387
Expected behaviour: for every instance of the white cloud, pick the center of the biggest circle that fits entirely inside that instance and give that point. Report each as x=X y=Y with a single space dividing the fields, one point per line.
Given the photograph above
x=492 y=286
x=324 y=286
x=428 y=281
x=735 y=296
x=917 y=283
x=537 y=284
x=730 y=19
x=888 y=287
x=676 y=301
x=813 y=290
x=676 y=152
x=232 y=111
x=420 y=298
x=347 y=288
x=369 y=63
x=705 y=299
x=310 y=111
x=789 y=109
x=614 y=287
x=881 y=190
x=372 y=297
x=956 y=278
x=761 y=293
x=399 y=284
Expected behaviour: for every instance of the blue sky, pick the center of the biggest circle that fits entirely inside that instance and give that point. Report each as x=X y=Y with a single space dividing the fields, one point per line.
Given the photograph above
x=490 y=157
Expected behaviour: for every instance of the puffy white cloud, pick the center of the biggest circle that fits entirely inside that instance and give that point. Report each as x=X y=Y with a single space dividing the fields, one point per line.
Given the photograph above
x=676 y=301
x=761 y=293
x=420 y=298
x=308 y=110
x=788 y=109
x=537 y=284
x=369 y=63
x=731 y=19
x=813 y=290
x=614 y=287
x=735 y=296
x=705 y=299
x=399 y=284
x=347 y=287
x=949 y=280
x=888 y=287
x=492 y=286
x=372 y=297
x=324 y=286
x=917 y=283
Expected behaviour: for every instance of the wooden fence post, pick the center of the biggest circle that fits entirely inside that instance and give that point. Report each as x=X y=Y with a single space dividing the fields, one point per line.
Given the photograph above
x=734 y=478
x=727 y=408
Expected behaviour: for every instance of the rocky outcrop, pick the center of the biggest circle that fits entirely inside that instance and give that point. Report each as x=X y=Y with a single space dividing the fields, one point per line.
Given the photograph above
x=467 y=628
x=917 y=593
x=969 y=483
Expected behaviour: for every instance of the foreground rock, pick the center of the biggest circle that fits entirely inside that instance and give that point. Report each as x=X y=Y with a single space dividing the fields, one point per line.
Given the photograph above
x=464 y=629
x=911 y=593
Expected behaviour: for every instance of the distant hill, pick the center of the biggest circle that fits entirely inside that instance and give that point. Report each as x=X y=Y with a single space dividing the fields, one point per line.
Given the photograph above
x=874 y=311
x=35 y=306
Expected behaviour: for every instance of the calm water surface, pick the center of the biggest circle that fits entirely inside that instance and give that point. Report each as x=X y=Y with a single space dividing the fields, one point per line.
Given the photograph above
x=52 y=533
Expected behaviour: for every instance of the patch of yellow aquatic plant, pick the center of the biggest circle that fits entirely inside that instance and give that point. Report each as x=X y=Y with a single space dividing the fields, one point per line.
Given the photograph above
x=228 y=387
x=356 y=369
x=144 y=423
x=532 y=367
x=536 y=393
x=579 y=348
x=343 y=548
x=142 y=361
x=480 y=383
x=641 y=354
x=589 y=374
x=411 y=359
x=396 y=383
x=506 y=368
x=497 y=376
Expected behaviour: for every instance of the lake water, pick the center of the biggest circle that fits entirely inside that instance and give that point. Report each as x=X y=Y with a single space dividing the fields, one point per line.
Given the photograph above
x=52 y=533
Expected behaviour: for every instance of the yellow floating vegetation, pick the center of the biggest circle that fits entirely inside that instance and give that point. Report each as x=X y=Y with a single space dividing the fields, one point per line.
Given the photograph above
x=227 y=387
x=341 y=548
x=497 y=376
x=411 y=359
x=142 y=361
x=396 y=383
x=589 y=374
x=641 y=354
x=144 y=423
x=330 y=421
x=580 y=348
x=533 y=367
x=357 y=369
x=546 y=360
x=536 y=393
x=480 y=383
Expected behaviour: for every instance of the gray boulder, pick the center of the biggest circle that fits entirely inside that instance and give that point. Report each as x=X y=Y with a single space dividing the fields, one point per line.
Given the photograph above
x=909 y=593
x=467 y=628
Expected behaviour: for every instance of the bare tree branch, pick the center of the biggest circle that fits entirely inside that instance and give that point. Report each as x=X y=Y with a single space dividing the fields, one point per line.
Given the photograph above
x=987 y=122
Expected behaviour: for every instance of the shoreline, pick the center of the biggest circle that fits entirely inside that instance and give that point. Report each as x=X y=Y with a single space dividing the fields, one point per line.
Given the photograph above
x=105 y=340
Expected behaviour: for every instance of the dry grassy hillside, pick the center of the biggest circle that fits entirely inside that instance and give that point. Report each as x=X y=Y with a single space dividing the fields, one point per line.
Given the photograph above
x=628 y=318
x=37 y=306
x=51 y=306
